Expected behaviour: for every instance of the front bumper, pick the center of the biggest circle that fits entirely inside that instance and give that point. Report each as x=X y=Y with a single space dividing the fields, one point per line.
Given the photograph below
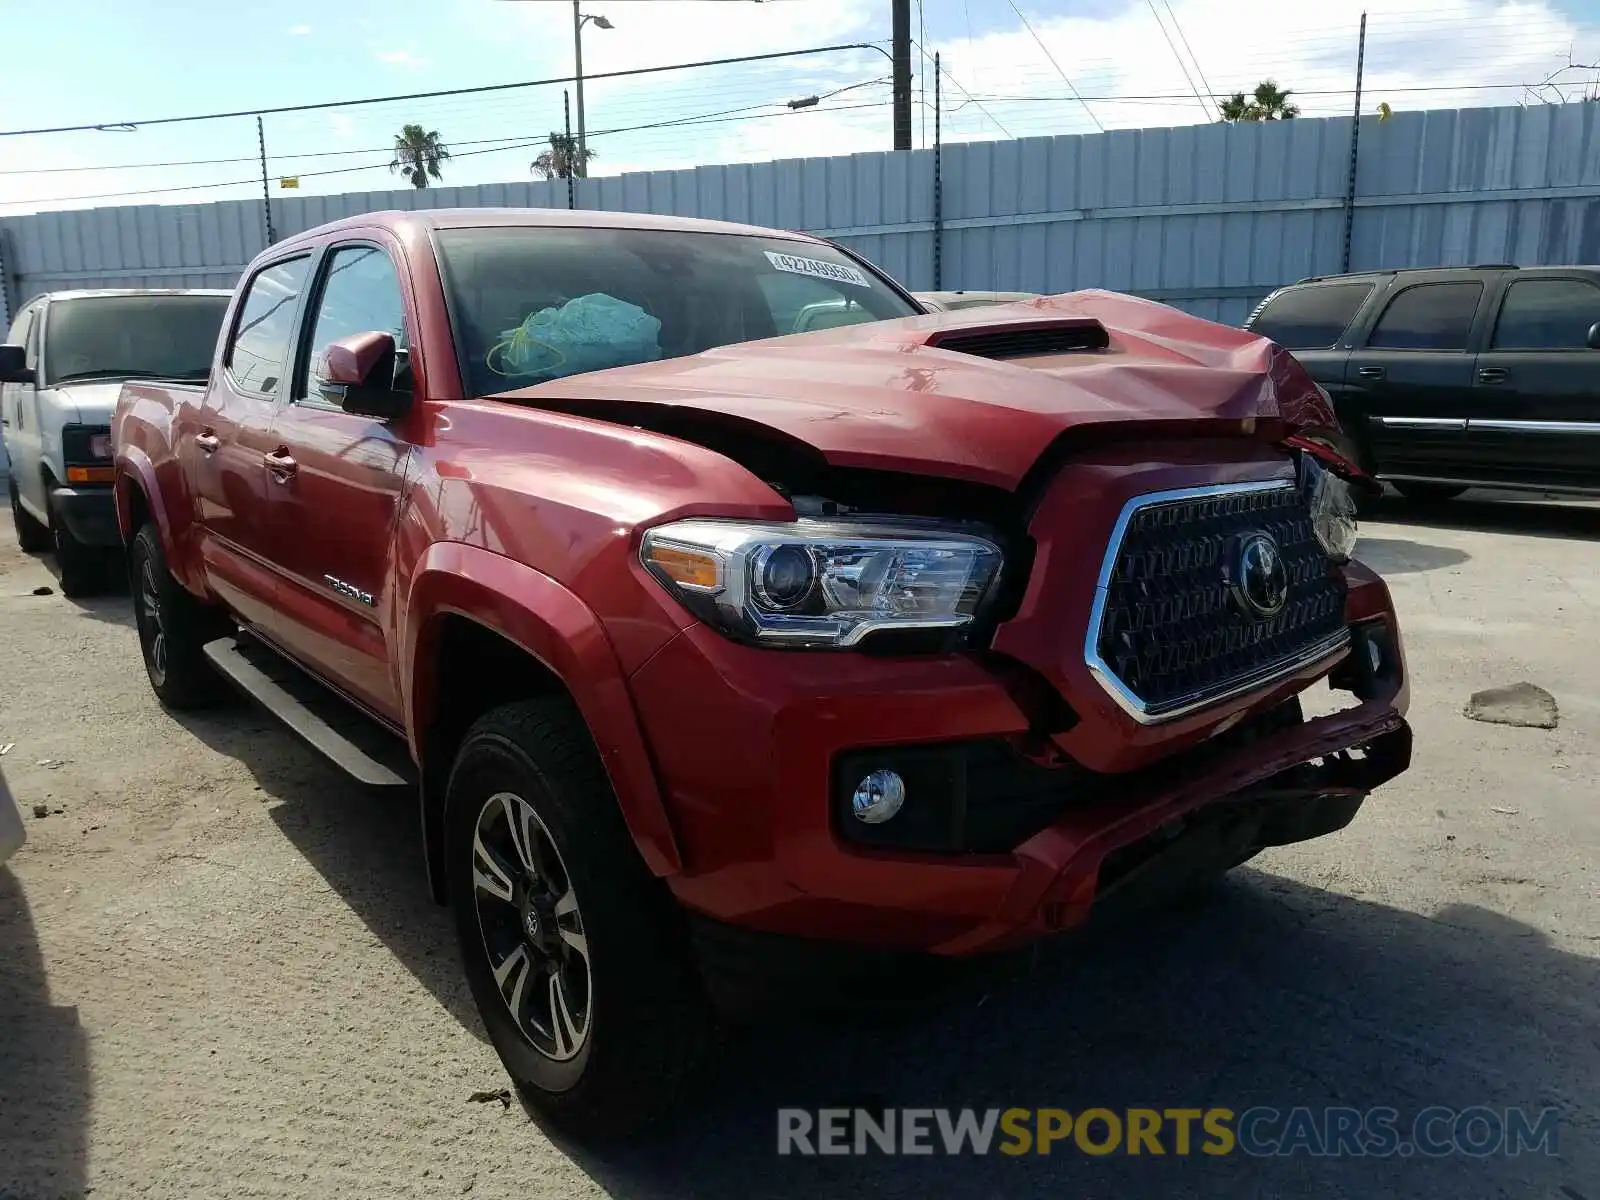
x=745 y=754
x=89 y=514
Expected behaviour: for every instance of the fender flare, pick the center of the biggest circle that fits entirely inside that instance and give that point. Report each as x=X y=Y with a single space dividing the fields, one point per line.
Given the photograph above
x=555 y=627
x=135 y=470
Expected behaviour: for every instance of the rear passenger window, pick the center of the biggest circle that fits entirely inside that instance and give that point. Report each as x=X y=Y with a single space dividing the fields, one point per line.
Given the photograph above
x=1428 y=316
x=1310 y=318
x=1547 y=314
x=261 y=338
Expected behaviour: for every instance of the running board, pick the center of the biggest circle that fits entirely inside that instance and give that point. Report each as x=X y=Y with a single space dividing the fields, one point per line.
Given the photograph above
x=347 y=737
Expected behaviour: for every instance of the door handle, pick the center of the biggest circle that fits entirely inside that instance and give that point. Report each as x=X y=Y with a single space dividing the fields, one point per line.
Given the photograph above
x=207 y=441
x=1491 y=375
x=281 y=463
x=1369 y=372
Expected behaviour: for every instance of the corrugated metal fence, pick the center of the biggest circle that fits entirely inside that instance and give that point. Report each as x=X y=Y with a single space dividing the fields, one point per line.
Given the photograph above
x=1208 y=217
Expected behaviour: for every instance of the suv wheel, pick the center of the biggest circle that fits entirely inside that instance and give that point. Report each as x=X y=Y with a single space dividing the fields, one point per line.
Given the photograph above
x=32 y=537
x=85 y=569
x=1427 y=493
x=574 y=953
x=173 y=626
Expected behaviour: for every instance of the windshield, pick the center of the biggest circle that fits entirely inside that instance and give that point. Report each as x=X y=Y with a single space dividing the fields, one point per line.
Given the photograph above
x=131 y=337
x=532 y=304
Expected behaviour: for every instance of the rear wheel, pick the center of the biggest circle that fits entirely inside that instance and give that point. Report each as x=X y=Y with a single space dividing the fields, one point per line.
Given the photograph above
x=574 y=953
x=32 y=536
x=1429 y=493
x=173 y=626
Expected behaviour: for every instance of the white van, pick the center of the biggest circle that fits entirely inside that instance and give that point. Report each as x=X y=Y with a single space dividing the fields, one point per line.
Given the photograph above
x=61 y=368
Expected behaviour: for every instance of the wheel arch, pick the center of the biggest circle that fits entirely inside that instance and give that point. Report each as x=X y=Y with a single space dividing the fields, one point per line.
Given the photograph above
x=481 y=630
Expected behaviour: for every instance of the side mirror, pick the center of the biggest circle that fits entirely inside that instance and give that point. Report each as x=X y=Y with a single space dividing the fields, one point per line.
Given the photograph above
x=1593 y=339
x=357 y=374
x=14 y=365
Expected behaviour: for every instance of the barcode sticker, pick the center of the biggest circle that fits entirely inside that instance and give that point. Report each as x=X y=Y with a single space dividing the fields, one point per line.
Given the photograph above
x=817 y=269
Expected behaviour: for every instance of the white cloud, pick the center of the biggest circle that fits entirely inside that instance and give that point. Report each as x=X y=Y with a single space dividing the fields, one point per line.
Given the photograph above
x=405 y=59
x=299 y=30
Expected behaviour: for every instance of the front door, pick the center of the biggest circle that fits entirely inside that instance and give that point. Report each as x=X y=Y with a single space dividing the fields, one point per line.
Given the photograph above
x=1535 y=417
x=1413 y=378
x=224 y=439
x=336 y=489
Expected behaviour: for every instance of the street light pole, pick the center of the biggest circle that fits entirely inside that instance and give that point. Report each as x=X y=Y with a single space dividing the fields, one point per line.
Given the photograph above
x=579 y=20
x=577 y=56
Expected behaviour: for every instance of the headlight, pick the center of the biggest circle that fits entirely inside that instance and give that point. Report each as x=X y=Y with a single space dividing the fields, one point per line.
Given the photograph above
x=1333 y=508
x=811 y=583
x=100 y=446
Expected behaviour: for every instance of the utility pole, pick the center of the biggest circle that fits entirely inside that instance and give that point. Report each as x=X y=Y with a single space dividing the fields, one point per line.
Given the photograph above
x=938 y=183
x=266 y=192
x=1355 y=143
x=902 y=75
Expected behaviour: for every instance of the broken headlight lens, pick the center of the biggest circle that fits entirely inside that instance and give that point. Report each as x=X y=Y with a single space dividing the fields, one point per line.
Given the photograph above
x=1333 y=508
x=816 y=584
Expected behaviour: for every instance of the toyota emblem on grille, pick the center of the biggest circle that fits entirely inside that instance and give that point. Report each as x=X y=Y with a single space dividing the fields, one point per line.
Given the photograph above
x=1259 y=579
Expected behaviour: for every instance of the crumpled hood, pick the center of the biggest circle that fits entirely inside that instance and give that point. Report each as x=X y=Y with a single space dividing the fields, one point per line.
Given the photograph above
x=880 y=396
x=89 y=403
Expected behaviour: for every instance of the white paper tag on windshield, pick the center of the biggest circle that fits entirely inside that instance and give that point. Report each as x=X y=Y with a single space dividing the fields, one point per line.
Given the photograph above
x=817 y=269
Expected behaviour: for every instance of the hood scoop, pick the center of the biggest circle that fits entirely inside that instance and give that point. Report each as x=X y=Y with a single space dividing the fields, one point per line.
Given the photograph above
x=1025 y=341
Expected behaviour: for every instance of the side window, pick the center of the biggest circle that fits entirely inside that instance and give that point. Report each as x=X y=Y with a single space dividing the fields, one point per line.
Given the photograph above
x=1547 y=314
x=260 y=344
x=1311 y=318
x=360 y=294
x=1428 y=316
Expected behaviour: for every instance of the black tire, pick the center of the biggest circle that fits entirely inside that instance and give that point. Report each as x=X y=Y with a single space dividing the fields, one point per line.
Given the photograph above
x=637 y=1027
x=173 y=625
x=1429 y=493
x=85 y=570
x=32 y=536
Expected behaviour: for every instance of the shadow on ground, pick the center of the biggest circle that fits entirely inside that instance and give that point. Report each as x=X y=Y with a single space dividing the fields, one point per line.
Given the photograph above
x=44 y=1068
x=1531 y=514
x=366 y=844
x=1276 y=994
x=1399 y=556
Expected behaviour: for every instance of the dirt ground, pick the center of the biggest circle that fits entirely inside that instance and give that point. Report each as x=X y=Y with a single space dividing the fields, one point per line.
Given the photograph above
x=221 y=976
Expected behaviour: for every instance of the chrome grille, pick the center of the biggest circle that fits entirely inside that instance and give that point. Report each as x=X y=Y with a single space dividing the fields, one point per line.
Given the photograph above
x=1170 y=632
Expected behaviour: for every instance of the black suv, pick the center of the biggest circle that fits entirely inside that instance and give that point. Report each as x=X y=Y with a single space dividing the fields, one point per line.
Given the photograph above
x=1452 y=377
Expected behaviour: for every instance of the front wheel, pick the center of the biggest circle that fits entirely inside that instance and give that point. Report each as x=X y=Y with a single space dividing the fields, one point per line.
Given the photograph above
x=85 y=570
x=32 y=535
x=173 y=627
x=574 y=953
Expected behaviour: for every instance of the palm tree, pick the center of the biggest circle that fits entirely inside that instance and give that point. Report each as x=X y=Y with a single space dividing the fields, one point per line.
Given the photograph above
x=561 y=160
x=1268 y=102
x=417 y=155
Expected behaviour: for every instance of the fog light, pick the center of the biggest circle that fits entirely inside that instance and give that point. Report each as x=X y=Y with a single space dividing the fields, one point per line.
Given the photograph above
x=878 y=797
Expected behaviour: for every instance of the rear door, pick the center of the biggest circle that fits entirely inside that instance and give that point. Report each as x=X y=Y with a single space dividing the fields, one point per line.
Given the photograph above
x=1535 y=417
x=1411 y=372
x=223 y=440
x=336 y=485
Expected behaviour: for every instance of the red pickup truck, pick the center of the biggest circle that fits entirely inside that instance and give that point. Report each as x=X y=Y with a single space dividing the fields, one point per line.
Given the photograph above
x=727 y=660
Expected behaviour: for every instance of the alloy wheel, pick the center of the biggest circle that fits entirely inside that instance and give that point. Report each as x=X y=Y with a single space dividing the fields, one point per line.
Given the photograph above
x=151 y=630
x=531 y=927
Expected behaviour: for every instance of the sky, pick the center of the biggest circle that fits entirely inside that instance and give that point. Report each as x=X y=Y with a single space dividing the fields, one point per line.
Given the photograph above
x=1013 y=68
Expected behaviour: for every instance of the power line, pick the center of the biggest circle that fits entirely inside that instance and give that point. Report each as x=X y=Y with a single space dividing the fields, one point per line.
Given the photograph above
x=1198 y=69
x=1182 y=66
x=467 y=91
x=522 y=145
x=1055 y=64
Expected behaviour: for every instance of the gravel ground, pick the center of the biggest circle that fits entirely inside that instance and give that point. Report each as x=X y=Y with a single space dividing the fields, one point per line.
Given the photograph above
x=220 y=974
